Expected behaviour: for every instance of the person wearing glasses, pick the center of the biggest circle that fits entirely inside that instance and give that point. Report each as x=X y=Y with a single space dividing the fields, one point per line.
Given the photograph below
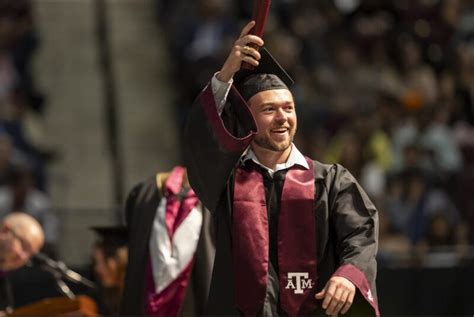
x=21 y=237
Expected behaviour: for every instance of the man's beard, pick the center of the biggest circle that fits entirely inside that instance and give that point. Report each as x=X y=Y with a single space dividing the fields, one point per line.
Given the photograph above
x=266 y=143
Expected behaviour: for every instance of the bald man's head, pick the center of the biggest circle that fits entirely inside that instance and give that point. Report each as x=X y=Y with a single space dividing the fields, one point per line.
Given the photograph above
x=22 y=237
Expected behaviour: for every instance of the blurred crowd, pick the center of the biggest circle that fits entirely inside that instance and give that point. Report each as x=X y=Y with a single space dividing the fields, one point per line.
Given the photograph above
x=23 y=150
x=386 y=88
x=383 y=87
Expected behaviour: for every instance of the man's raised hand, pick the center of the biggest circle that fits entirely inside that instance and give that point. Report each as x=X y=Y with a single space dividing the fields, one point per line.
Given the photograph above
x=241 y=52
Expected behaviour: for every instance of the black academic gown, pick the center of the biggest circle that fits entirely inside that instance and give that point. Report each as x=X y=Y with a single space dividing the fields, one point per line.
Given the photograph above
x=346 y=220
x=6 y=297
x=140 y=209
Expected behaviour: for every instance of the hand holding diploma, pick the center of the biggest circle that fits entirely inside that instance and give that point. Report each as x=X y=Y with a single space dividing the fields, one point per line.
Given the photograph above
x=241 y=52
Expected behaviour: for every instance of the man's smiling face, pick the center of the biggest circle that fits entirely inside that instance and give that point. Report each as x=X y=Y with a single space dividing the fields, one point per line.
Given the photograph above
x=274 y=113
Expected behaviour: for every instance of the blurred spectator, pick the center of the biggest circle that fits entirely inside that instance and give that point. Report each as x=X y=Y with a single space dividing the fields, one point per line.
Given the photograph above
x=110 y=265
x=6 y=158
x=412 y=204
x=20 y=102
x=18 y=42
x=464 y=70
x=21 y=236
x=345 y=149
x=394 y=247
x=417 y=79
x=20 y=194
x=26 y=130
x=441 y=231
x=438 y=141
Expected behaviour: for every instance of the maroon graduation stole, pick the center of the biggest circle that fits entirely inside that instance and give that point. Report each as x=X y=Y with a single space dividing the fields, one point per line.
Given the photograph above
x=169 y=301
x=177 y=208
x=296 y=241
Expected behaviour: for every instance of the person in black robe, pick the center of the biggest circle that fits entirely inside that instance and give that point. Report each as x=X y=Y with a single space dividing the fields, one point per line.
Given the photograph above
x=142 y=209
x=293 y=236
x=109 y=265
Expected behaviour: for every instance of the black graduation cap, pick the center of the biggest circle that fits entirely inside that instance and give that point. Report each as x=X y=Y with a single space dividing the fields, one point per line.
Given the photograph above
x=267 y=75
x=111 y=236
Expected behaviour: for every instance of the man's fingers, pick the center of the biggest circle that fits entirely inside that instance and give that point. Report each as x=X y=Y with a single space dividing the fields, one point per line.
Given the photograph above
x=253 y=39
x=329 y=295
x=320 y=295
x=340 y=303
x=249 y=39
x=250 y=60
x=247 y=28
x=348 y=304
x=339 y=295
x=247 y=50
x=336 y=299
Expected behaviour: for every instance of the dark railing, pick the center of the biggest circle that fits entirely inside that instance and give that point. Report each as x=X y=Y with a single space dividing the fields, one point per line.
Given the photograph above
x=111 y=113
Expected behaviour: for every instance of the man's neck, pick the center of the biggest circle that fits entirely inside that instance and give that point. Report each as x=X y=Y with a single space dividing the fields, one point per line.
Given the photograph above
x=162 y=178
x=270 y=158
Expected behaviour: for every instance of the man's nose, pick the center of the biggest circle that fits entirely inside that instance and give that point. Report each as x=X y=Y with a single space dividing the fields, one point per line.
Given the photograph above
x=281 y=115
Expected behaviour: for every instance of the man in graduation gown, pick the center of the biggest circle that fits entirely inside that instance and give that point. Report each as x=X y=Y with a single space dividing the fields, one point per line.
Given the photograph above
x=293 y=236
x=170 y=250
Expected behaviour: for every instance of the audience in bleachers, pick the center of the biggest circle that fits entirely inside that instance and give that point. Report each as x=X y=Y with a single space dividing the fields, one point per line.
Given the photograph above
x=383 y=87
x=23 y=180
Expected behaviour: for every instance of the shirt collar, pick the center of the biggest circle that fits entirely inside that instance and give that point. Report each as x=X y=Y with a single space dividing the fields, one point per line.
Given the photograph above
x=295 y=158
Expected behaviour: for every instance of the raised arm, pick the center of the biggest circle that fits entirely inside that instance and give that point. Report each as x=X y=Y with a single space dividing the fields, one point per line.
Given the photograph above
x=218 y=130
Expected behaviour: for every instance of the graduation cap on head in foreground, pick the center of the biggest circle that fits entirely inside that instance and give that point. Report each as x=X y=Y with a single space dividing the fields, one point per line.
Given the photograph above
x=111 y=237
x=267 y=75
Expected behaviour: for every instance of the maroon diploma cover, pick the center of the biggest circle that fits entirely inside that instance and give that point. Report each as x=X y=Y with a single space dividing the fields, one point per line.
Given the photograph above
x=260 y=14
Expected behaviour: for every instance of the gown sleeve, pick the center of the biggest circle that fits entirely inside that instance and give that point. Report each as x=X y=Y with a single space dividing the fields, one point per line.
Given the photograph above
x=130 y=204
x=355 y=221
x=214 y=143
